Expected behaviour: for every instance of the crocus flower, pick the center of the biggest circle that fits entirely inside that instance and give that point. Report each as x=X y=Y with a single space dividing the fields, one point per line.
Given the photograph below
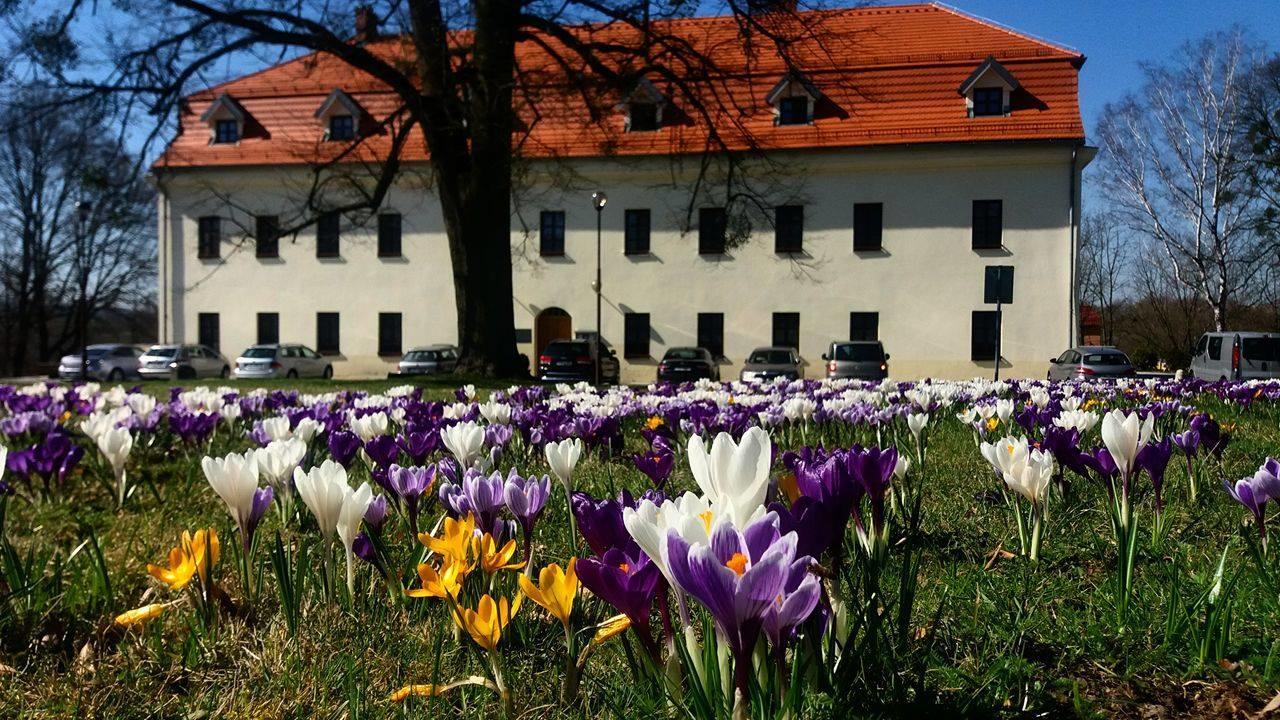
x=600 y=522
x=1154 y=458
x=563 y=458
x=137 y=616
x=794 y=605
x=656 y=464
x=116 y=444
x=409 y=485
x=376 y=514
x=628 y=582
x=733 y=476
x=1254 y=492
x=189 y=560
x=456 y=540
x=369 y=426
x=418 y=445
x=1125 y=434
x=465 y=440
x=486 y=623
x=526 y=498
x=494 y=557
x=335 y=505
x=382 y=450
x=343 y=447
x=235 y=479
x=555 y=590
x=445 y=583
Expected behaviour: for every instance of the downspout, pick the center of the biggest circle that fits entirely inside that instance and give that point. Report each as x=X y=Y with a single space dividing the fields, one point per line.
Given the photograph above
x=1073 y=216
x=164 y=251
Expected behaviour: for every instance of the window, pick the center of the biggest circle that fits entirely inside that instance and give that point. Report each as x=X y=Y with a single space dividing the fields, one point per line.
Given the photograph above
x=864 y=326
x=327 y=333
x=988 y=101
x=226 y=131
x=388 y=333
x=636 y=340
x=267 y=234
x=327 y=233
x=711 y=333
x=551 y=233
x=711 y=231
x=636 y=232
x=868 y=226
x=786 y=329
x=389 y=235
x=985 y=330
x=793 y=110
x=209 y=238
x=208 y=329
x=268 y=328
x=342 y=127
x=987 y=224
x=643 y=117
x=788 y=233
x=1215 y=347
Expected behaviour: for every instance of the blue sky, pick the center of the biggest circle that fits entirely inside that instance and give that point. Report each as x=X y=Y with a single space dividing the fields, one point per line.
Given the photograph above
x=1115 y=36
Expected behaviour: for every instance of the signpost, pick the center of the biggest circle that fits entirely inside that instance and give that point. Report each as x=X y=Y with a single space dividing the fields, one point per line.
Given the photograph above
x=998 y=290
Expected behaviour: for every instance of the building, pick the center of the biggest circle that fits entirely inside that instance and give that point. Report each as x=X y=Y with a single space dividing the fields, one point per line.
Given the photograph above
x=937 y=147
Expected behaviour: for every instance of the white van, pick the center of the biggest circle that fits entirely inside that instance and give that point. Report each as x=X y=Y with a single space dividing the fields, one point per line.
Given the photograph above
x=1236 y=356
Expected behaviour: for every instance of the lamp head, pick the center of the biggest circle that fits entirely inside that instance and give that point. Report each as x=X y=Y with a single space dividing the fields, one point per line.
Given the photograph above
x=599 y=198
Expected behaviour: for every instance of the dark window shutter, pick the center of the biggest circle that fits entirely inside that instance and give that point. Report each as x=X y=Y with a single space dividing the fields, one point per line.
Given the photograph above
x=864 y=326
x=268 y=328
x=636 y=335
x=389 y=334
x=328 y=340
x=868 y=226
x=988 y=224
x=328 y=229
x=636 y=232
x=267 y=234
x=786 y=329
x=983 y=344
x=788 y=229
x=711 y=231
x=389 y=235
x=711 y=333
x=209 y=330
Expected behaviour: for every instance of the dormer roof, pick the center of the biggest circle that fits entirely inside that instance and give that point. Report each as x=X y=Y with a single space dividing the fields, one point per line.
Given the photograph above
x=993 y=66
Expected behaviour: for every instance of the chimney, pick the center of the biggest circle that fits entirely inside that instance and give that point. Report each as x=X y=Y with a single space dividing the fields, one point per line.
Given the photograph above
x=366 y=24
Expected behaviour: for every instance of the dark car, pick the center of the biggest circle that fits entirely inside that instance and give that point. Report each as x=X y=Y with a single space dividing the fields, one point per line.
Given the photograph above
x=861 y=360
x=574 y=361
x=681 y=364
x=1090 y=362
x=769 y=363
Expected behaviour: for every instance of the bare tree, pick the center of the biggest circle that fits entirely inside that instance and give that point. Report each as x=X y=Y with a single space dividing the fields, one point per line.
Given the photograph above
x=458 y=83
x=1262 y=135
x=76 y=230
x=1174 y=168
x=1104 y=270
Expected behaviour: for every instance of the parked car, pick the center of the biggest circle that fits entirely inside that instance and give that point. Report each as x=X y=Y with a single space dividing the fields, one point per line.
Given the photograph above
x=1236 y=356
x=429 y=360
x=112 y=362
x=680 y=364
x=283 y=360
x=767 y=363
x=574 y=361
x=861 y=360
x=1090 y=362
x=182 y=362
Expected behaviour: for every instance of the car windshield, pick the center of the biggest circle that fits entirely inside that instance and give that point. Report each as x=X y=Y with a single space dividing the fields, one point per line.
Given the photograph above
x=866 y=352
x=162 y=351
x=1262 y=349
x=567 y=349
x=97 y=352
x=683 y=354
x=260 y=352
x=419 y=356
x=770 y=357
x=1107 y=358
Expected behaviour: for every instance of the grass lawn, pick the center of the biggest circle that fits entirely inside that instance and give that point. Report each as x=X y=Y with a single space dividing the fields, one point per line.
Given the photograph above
x=993 y=635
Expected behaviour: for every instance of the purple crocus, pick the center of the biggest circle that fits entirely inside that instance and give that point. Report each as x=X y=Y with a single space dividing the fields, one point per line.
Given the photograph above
x=343 y=446
x=1254 y=492
x=382 y=450
x=600 y=522
x=628 y=582
x=656 y=464
x=365 y=549
x=261 y=501
x=419 y=445
x=873 y=468
x=479 y=494
x=409 y=485
x=1154 y=458
x=526 y=498
x=793 y=606
x=375 y=515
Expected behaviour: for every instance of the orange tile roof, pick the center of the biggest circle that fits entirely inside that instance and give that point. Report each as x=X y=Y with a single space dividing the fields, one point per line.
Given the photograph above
x=888 y=75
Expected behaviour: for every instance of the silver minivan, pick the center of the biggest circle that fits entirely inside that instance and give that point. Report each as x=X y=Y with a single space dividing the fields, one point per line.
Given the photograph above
x=1236 y=356
x=282 y=360
x=861 y=360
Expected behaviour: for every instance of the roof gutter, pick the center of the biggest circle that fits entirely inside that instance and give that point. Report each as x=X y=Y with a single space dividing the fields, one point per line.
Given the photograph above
x=1081 y=155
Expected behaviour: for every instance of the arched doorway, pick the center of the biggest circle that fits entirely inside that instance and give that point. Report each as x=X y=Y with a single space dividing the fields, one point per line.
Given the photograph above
x=552 y=323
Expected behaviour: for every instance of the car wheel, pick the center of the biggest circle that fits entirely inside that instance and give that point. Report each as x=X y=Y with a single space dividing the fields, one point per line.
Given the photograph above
x=226 y=372
x=328 y=372
x=292 y=375
x=116 y=375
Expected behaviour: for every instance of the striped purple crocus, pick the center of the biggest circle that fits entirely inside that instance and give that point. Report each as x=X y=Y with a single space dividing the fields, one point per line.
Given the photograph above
x=1255 y=491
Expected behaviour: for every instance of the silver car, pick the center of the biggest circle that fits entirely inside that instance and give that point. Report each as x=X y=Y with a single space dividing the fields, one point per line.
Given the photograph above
x=429 y=360
x=112 y=362
x=1088 y=362
x=282 y=360
x=862 y=360
x=767 y=363
x=182 y=362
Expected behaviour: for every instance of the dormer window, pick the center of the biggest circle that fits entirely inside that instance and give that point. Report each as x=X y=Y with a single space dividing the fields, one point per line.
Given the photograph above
x=643 y=108
x=226 y=132
x=339 y=115
x=225 y=119
x=342 y=127
x=987 y=91
x=793 y=100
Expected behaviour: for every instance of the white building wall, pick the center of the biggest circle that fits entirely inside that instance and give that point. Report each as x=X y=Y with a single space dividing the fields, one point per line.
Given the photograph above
x=924 y=284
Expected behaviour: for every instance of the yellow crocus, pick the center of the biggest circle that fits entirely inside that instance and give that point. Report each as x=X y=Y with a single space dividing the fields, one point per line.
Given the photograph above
x=555 y=590
x=494 y=558
x=140 y=615
x=654 y=422
x=789 y=487
x=417 y=690
x=455 y=541
x=486 y=623
x=445 y=583
x=188 y=559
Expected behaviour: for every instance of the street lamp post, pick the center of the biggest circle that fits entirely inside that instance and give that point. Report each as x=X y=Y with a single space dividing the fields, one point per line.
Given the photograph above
x=598 y=199
x=83 y=208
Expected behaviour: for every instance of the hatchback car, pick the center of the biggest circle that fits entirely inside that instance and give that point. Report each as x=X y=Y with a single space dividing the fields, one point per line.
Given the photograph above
x=429 y=360
x=861 y=360
x=1236 y=356
x=282 y=360
x=767 y=363
x=1090 y=362
x=681 y=364
x=574 y=361
x=182 y=362
x=112 y=362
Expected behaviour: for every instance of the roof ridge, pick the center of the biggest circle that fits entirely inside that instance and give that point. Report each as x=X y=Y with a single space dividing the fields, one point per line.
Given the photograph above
x=1062 y=47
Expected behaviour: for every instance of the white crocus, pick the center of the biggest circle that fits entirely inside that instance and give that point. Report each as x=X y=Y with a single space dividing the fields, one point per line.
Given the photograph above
x=916 y=423
x=1081 y=421
x=4 y=458
x=369 y=426
x=276 y=463
x=141 y=404
x=900 y=468
x=338 y=508
x=1125 y=434
x=495 y=413
x=563 y=458
x=235 y=479
x=1004 y=411
x=306 y=429
x=1031 y=480
x=116 y=444
x=734 y=476
x=277 y=428
x=689 y=515
x=469 y=392
x=354 y=505
x=230 y=414
x=465 y=440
